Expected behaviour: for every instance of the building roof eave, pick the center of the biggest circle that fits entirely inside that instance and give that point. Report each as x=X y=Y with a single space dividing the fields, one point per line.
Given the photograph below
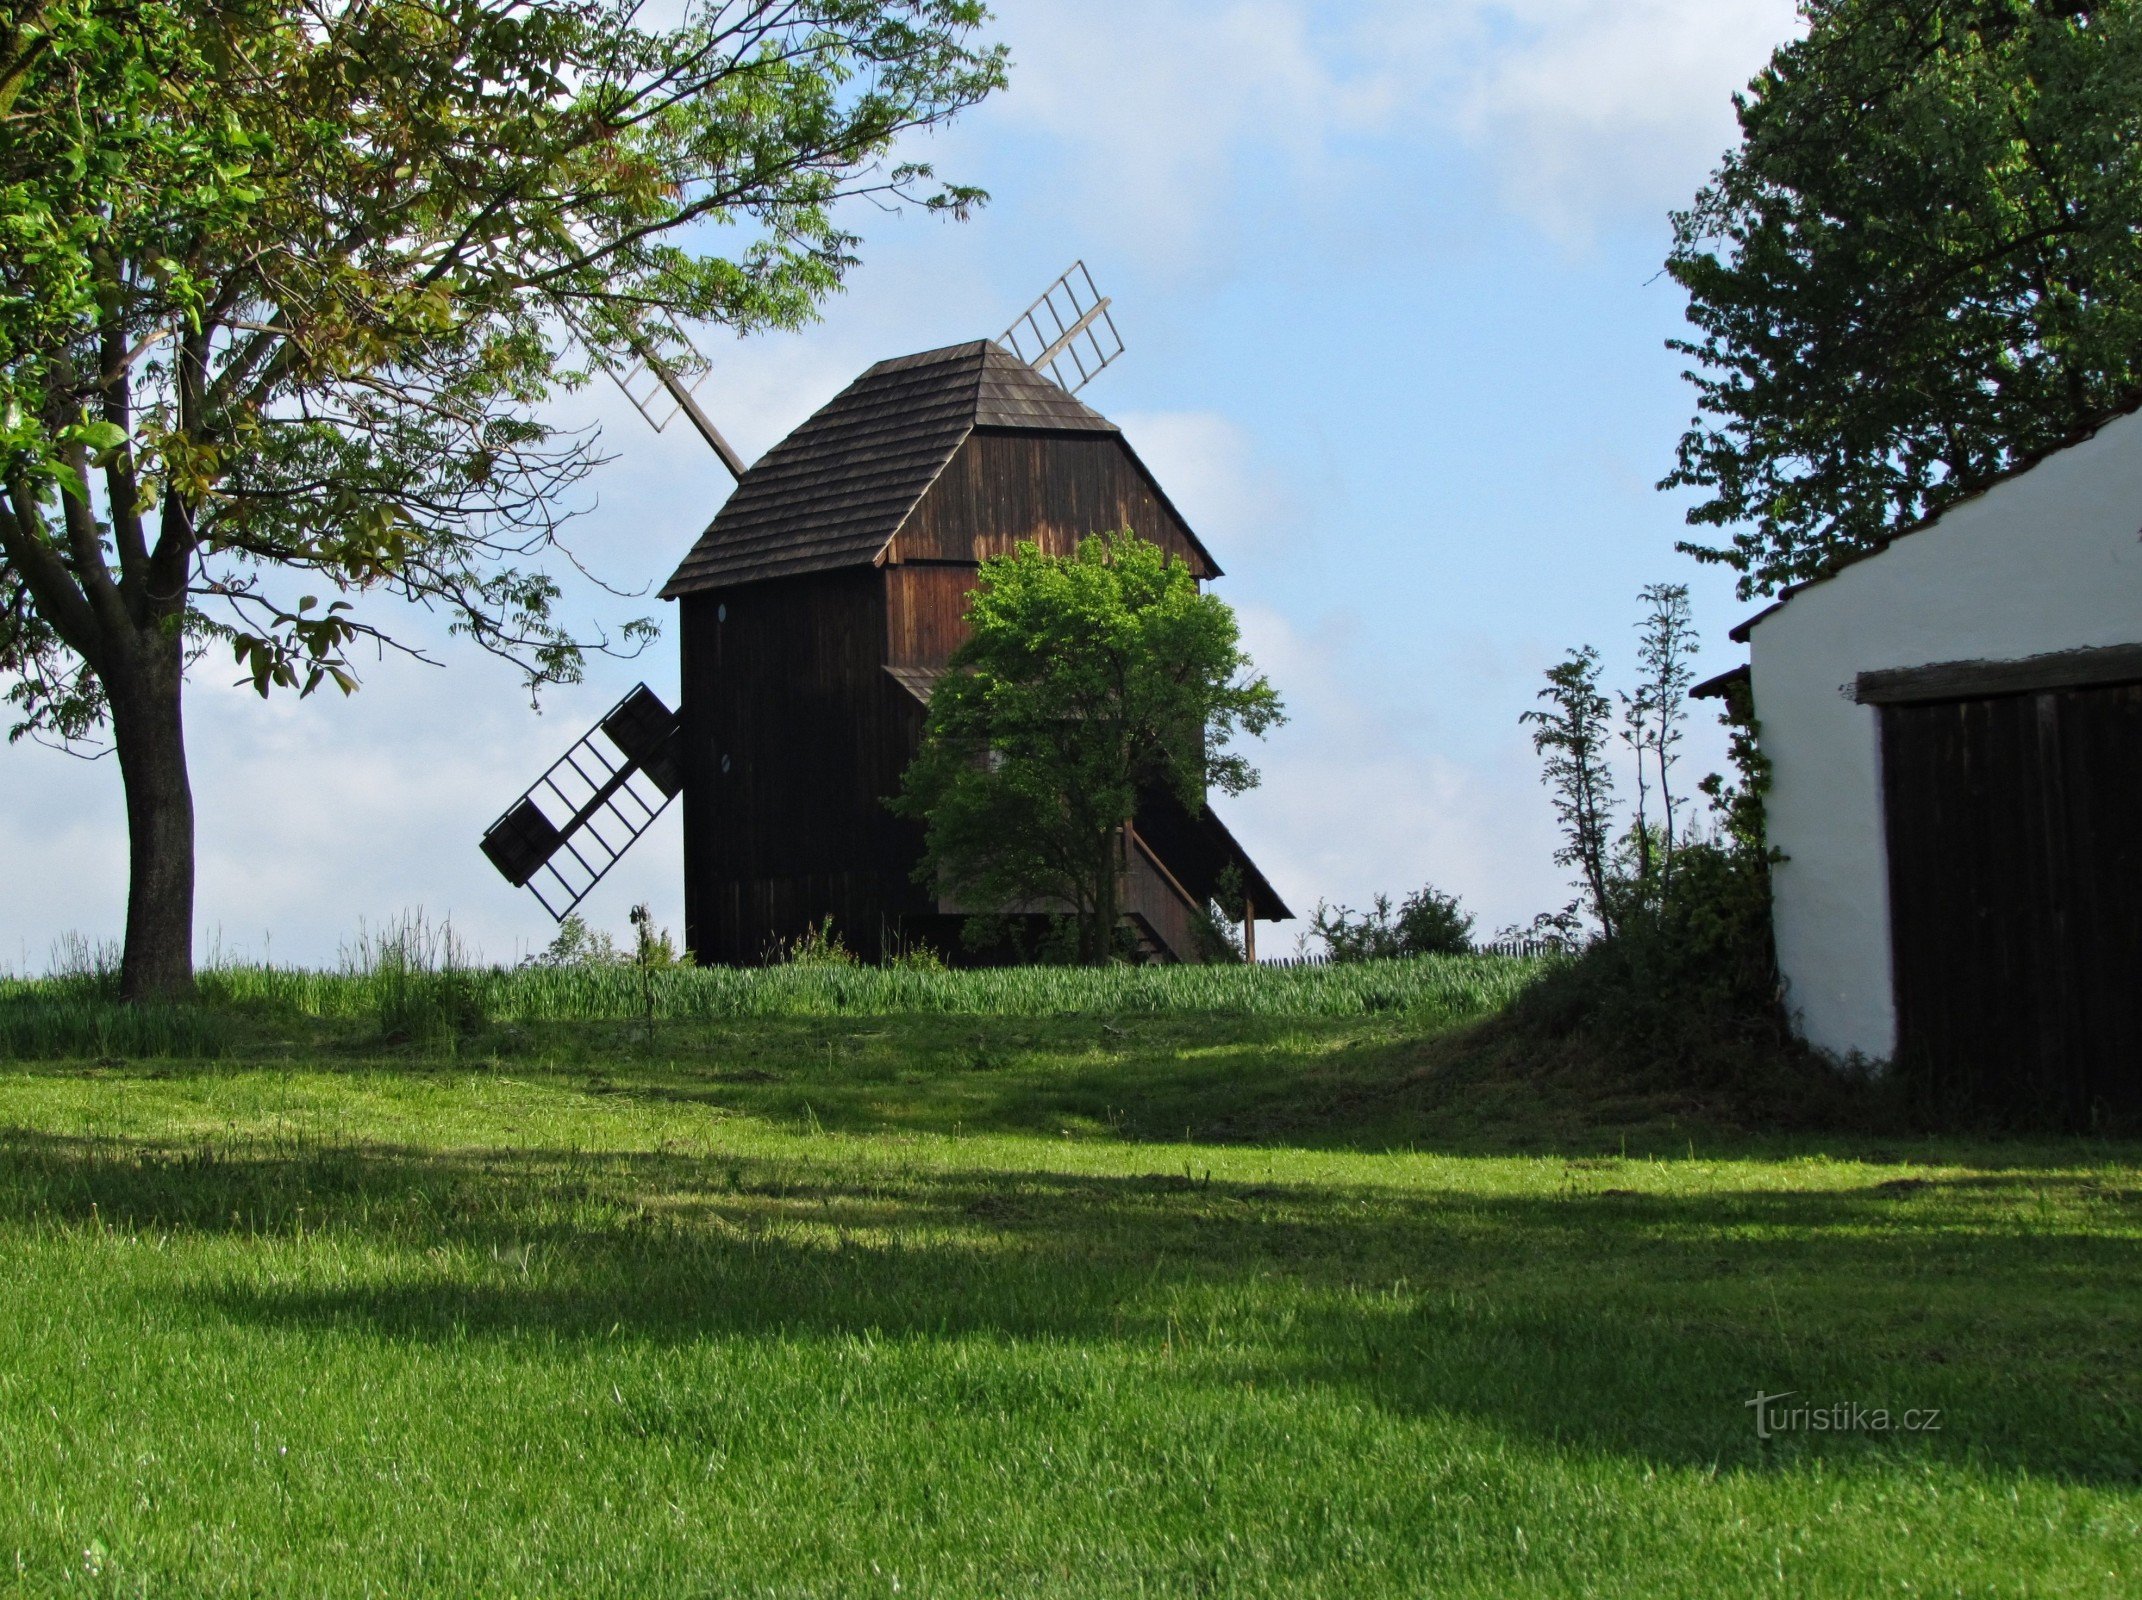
x=1741 y=632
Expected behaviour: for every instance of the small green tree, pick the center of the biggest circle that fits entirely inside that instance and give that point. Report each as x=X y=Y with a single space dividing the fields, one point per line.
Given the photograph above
x=1086 y=680
x=1433 y=923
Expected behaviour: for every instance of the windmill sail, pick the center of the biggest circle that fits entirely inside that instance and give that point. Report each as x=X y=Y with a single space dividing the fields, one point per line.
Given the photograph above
x=573 y=823
x=666 y=369
x=1067 y=333
x=658 y=390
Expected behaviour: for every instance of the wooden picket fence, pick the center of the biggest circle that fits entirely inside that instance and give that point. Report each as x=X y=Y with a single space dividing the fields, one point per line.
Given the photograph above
x=1507 y=947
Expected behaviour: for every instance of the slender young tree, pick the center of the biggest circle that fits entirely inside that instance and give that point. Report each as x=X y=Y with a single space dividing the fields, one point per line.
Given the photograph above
x=1666 y=650
x=1636 y=734
x=285 y=283
x=1572 y=735
x=1085 y=681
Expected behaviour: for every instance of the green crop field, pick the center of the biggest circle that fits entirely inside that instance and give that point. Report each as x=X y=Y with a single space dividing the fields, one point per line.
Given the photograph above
x=852 y=1283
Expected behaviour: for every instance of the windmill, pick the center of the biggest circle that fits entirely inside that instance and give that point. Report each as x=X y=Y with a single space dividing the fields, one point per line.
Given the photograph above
x=572 y=825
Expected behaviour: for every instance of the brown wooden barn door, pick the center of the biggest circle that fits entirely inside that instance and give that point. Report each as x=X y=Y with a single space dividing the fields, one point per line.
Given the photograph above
x=2015 y=876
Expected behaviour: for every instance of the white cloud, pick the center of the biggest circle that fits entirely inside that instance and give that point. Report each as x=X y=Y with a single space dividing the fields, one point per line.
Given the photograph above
x=64 y=849
x=1157 y=106
x=1589 y=111
x=1598 y=108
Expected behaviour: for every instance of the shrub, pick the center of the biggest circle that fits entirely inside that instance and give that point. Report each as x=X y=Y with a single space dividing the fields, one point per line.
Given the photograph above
x=653 y=950
x=578 y=945
x=1688 y=983
x=1427 y=923
x=1432 y=923
x=1682 y=973
x=916 y=957
x=817 y=946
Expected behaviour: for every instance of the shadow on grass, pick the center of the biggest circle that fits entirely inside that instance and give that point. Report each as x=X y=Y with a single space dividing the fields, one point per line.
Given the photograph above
x=1370 y=1085
x=1352 y=1084
x=1598 y=1317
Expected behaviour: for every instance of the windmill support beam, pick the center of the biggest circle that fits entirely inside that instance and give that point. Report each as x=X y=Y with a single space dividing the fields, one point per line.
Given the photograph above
x=700 y=420
x=1041 y=362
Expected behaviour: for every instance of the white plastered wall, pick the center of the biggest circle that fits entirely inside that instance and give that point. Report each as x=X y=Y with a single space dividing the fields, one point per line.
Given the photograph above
x=2048 y=560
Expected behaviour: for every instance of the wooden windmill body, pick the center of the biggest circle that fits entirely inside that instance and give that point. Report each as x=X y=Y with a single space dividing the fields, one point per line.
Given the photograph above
x=816 y=613
x=822 y=603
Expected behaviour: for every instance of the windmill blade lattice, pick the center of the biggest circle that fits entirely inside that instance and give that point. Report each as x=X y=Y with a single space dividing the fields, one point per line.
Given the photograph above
x=1067 y=333
x=666 y=370
x=653 y=335
x=573 y=823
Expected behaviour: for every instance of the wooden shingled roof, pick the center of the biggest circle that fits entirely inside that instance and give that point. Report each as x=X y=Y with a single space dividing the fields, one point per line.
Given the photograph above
x=834 y=492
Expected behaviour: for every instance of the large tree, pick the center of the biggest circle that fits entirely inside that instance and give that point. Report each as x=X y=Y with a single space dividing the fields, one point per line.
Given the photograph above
x=1922 y=265
x=284 y=285
x=1085 y=681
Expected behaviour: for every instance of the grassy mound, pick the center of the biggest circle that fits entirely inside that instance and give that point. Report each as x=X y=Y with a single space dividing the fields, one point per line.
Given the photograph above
x=1489 y=1051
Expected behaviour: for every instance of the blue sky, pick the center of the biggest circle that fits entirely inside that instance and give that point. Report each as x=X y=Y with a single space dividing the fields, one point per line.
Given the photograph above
x=1389 y=278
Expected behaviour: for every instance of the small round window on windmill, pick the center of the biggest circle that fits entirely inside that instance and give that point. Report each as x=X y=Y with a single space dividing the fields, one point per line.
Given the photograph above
x=725 y=763
x=721 y=613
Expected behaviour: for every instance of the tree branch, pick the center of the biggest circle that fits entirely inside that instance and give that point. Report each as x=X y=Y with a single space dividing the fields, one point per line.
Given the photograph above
x=30 y=553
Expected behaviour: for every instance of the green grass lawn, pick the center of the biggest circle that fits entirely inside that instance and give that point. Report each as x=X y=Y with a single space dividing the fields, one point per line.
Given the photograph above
x=982 y=1304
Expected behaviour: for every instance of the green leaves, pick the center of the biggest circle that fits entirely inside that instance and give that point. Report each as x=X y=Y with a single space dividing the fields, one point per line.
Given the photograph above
x=1919 y=267
x=300 y=651
x=297 y=282
x=101 y=438
x=1085 y=682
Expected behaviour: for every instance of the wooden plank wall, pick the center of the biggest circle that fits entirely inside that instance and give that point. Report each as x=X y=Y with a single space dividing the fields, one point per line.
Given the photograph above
x=2015 y=859
x=1053 y=488
x=925 y=613
x=1001 y=488
x=788 y=687
x=1148 y=892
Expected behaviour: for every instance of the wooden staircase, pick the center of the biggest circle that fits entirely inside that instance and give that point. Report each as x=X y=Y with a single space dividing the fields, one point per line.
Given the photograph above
x=1152 y=950
x=1155 y=904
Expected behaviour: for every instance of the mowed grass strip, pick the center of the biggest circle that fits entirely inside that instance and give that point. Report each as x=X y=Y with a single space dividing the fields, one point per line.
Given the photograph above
x=950 y=1306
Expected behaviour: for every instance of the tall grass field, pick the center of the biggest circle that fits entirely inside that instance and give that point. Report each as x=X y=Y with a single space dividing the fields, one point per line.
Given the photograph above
x=414 y=991
x=837 y=1282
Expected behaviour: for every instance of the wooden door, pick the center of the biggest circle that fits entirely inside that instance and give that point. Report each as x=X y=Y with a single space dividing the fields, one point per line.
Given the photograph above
x=2015 y=873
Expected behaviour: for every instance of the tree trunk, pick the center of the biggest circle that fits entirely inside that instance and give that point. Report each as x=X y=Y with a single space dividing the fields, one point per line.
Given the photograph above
x=148 y=730
x=1101 y=947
